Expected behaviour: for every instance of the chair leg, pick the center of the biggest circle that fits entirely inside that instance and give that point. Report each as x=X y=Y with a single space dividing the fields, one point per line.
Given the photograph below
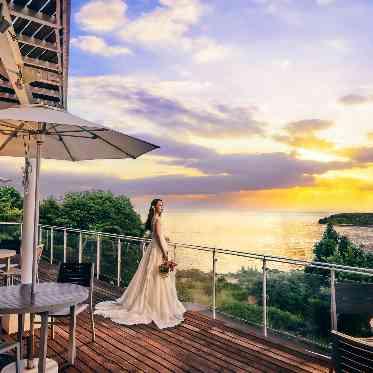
x=52 y=327
x=92 y=325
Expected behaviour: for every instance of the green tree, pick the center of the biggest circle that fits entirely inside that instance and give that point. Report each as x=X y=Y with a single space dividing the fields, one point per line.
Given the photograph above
x=10 y=204
x=93 y=210
x=50 y=212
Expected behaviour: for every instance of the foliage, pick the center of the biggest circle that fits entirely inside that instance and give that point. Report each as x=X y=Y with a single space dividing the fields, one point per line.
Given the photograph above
x=358 y=219
x=10 y=204
x=10 y=211
x=253 y=313
x=93 y=210
x=334 y=248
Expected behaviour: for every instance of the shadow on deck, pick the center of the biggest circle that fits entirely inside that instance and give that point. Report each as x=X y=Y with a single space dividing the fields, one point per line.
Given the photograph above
x=200 y=344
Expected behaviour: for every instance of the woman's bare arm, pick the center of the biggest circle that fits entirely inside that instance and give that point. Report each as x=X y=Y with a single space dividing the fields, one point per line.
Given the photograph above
x=160 y=238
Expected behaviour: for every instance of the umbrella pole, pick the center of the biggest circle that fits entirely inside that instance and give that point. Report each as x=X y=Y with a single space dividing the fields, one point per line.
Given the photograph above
x=36 y=216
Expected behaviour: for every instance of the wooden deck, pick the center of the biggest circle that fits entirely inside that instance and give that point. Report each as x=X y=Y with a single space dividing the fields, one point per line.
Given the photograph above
x=200 y=344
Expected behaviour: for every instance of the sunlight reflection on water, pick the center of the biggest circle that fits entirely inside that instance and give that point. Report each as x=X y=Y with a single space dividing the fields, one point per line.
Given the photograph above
x=288 y=234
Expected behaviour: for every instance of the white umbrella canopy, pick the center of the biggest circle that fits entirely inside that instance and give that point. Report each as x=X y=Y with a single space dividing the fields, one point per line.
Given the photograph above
x=64 y=136
x=39 y=131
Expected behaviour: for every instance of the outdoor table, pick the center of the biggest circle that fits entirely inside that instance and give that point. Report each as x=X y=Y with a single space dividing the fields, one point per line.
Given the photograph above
x=7 y=254
x=48 y=297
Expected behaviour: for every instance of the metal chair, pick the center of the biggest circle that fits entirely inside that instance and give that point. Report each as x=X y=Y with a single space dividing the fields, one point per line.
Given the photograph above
x=351 y=354
x=79 y=274
x=6 y=358
x=14 y=272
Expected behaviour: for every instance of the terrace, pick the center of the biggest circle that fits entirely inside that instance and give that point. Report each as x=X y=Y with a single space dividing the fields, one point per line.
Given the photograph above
x=214 y=337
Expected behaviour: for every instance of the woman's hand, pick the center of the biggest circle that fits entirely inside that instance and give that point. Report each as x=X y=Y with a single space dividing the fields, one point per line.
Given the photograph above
x=165 y=256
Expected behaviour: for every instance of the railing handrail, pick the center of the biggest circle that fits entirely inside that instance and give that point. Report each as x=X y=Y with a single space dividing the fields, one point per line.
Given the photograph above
x=251 y=255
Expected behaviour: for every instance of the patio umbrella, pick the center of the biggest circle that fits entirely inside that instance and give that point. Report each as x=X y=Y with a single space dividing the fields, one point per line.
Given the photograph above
x=39 y=131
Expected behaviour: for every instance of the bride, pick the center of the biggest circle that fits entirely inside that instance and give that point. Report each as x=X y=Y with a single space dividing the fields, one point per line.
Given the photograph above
x=149 y=297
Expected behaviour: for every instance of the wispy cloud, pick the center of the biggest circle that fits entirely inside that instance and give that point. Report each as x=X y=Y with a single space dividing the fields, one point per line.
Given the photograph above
x=356 y=99
x=303 y=134
x=102 y=15
x=168 y=27
x=325 y=2
x=134 y=99
x=338 y=44
x=96 y=45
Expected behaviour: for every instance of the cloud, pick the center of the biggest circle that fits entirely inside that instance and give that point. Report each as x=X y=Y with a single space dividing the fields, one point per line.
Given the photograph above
x=207 y=50
x=302 y=134
x=161 y=107
x=167 y=27
x=339 y=45
x=222 y=174
x=355 y=99
x=102 y=15
x=96 y=45
x=306 y=126
x=360 y=155
x=325 y=2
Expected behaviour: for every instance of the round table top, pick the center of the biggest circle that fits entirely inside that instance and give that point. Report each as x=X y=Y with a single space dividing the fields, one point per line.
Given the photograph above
x=5 y=253
x=48 y=297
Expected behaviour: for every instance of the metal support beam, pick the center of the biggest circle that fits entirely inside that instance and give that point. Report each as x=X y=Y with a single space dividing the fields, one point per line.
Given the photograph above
x=38 y=43
x=27 y=13
x=31 y=74
x=41 y=64
x=11 y=58
x=40 y=91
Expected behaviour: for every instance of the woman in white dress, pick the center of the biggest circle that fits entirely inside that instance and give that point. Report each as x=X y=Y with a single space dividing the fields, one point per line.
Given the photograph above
x=149 y=297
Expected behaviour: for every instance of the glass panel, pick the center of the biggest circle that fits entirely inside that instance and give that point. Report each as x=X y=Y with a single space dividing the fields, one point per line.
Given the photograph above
x=108 y=262
x=72 y=246
x=238 y=292
x=89 y=243
x=46 y=240
x=131 y=256
x=57 y=246
x=298 y=303
x=193 y=277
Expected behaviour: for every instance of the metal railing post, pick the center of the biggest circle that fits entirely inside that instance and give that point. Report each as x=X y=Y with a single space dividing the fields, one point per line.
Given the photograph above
x=119 y=261
x=64 y=245
x=20 y=230
x=174 y=252
x=214 y=260
x=98 y=254
x=80 y=253
x=52 y=244
x=333 y=306
x=41 y=235
x=264 y=300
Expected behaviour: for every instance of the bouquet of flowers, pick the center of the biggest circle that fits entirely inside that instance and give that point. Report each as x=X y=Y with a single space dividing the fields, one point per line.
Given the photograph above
x=166 y=267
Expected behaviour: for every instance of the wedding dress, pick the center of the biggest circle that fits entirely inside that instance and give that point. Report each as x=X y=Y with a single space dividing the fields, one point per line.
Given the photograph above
x=149 y=297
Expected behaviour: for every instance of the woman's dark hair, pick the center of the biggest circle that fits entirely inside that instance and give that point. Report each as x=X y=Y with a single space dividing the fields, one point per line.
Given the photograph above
x=148 y=224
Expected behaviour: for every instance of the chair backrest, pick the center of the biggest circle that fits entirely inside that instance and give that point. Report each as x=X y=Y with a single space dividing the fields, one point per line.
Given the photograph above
x=354 y=298
x=76 y=273
x=351 y=354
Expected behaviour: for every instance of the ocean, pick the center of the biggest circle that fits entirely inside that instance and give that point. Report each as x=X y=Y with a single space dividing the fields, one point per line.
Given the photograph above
x=288 y=234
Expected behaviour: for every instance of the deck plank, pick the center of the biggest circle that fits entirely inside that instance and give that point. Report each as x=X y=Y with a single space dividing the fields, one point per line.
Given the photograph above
x=200 y=344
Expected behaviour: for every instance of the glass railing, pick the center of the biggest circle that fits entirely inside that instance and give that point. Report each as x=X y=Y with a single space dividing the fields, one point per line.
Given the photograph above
x=277 y=295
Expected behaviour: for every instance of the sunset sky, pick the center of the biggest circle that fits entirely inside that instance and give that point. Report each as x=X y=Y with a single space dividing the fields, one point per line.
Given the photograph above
x=262 y=104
